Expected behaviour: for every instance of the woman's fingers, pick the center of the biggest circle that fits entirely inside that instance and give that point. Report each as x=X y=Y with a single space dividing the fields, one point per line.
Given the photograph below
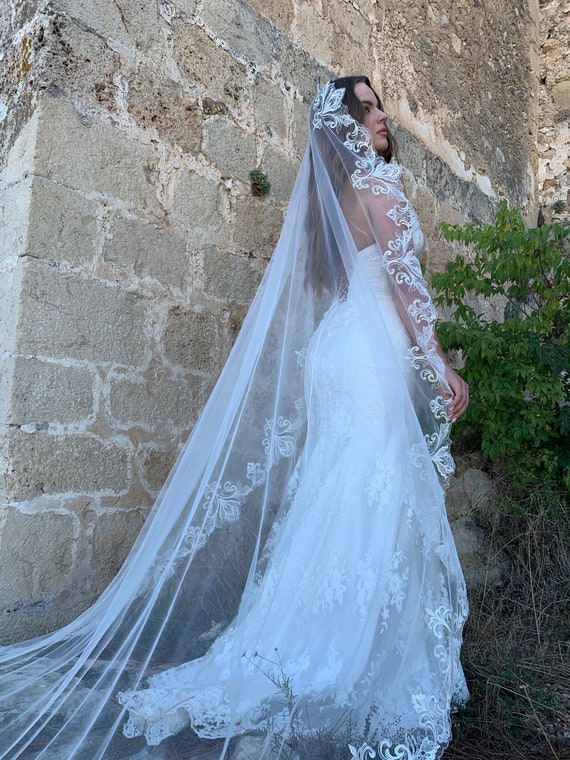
x=460 y=391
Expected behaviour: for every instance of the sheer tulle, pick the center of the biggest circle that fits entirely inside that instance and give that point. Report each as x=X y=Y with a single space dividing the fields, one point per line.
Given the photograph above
x=302 y=537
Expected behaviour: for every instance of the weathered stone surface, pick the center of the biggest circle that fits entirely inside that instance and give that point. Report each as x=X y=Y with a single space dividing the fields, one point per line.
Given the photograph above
x=66 y=316
x=257 y=226
x=464 y=105
x=279 y=13
x=40 y=463
x=205 y=63
x=233 y=21
x=300 y=134
x=352 y=38
x=233 y=151
x=156 y=464
x=482 y=563
x=36 y=552
x=75 y=61
x=44 y=392
x=191 y=340
x=62 y=224
x=14 y=212
x=147 y=250
x=158 y=103
x=270 y=109
x=198 y=205
x=166 y=403
x=104 y=18
x=471 y=491
x=561 y=98
x=113 y=535
x=438 y=178
x=281 y=172
x=299 y=68
x=77 y=155
x=146 y=27
x=230 y=276
x=18 y=163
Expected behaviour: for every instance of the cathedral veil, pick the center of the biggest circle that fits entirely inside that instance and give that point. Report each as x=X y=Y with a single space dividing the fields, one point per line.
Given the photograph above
x=205 y=557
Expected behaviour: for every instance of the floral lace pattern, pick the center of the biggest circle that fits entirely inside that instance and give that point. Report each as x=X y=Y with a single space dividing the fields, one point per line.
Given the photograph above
x=373 y=174
x=358 y=602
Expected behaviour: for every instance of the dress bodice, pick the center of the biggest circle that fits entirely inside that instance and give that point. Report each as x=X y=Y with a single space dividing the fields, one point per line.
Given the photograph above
x=370 y=259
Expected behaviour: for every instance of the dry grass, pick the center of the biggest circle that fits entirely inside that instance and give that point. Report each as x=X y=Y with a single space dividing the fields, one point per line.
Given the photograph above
x=516 y=650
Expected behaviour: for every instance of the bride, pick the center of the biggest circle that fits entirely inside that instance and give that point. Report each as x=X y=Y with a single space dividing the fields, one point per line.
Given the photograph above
x=298 y=568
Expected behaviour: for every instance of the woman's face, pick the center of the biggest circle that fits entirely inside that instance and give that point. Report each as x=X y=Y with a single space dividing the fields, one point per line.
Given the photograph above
x=374 y=118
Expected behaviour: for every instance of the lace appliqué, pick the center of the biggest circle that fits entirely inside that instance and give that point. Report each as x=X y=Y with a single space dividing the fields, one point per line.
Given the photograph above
x=372 y=173
x=222 y=501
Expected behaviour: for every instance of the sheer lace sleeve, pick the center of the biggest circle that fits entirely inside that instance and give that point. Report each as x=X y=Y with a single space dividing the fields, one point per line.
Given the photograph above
x=395 y=227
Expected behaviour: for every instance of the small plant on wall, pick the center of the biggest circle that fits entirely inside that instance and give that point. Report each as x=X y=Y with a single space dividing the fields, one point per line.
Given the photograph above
x=518 y=364
x=260 y=185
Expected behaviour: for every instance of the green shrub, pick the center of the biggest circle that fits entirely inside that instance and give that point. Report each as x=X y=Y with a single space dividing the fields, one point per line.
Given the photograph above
x=510 y=305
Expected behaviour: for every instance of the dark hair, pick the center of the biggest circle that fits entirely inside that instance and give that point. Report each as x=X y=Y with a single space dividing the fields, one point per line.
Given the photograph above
x=356 y=109
x=324 y=266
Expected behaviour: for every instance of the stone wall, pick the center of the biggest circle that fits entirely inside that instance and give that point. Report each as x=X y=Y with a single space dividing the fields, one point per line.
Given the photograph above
x=554 y=127
x=132 y=244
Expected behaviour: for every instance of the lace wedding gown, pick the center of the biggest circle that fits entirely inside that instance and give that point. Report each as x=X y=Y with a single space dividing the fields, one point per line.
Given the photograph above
x=306 y=506
x=362 y=603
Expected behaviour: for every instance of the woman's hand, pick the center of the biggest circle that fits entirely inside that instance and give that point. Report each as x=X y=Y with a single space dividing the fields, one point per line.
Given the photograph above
x=460 y=391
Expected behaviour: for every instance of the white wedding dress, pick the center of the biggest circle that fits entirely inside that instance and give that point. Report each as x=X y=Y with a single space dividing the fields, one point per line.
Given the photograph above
x=358 y=605
x=307 y=506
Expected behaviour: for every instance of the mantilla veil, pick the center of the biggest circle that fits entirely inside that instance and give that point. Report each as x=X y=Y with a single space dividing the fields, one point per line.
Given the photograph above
x=298 y=566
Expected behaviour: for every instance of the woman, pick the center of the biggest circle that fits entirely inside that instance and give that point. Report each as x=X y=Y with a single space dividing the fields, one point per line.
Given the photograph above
x=306 y=508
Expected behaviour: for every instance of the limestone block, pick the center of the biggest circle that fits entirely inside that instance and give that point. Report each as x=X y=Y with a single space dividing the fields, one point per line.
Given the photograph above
x=269 y=108
x=159 y=103
x=279 y=13
x=156 y=464
x=113 y=535
x=191 y=340
x=146 y=27
x=233 y=151
x=257 y=226
x=234 y=22
x=281 y=171
x=40 y=463
x=103 y=17
x=229 y=276
x=62 y=315
x=44 y=392
x=315 y=32
x=186 y=6
x=561 y=98
x=147 y=250
x=10 y=284
x=11 y=273
x=165 y=403
x=306 y=74
x=14 y=212
x=300 y=134
x=62 y=224
x=29 y=620
x=97 y=158
x=20 y=159
x=36 y=552
x=203 y=62
x=76 y=62
x=198 y=205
